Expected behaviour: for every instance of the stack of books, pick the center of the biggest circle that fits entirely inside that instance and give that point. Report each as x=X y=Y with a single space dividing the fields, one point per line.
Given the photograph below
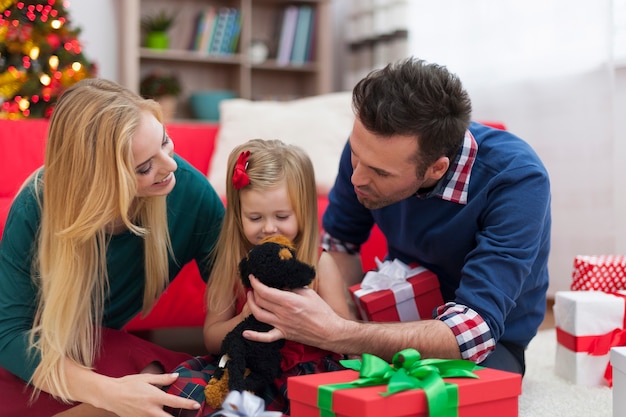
x=295 y=44
x=217 y=31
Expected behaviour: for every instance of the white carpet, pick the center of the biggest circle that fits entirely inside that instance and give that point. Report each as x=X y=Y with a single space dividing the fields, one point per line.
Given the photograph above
x=544 y=394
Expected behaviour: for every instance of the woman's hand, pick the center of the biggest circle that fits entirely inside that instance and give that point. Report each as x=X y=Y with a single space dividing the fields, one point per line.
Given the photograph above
x=141 y=396
x=138 y=395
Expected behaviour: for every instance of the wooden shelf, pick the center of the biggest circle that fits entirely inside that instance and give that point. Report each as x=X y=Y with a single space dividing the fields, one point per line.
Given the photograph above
x=377 y=34
x=260 y=20
x=184 y=55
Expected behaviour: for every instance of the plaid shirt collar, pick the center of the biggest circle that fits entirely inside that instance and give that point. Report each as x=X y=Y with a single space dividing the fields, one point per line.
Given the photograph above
x=454 y=185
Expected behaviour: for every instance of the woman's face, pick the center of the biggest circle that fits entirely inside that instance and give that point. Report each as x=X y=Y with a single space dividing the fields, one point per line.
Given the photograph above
x=153 y=151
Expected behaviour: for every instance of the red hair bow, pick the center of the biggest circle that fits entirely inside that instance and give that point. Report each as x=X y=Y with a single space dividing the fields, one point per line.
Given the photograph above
x=240 y=178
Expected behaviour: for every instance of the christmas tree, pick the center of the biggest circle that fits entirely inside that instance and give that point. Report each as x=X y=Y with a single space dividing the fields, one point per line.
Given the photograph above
x=40 y=56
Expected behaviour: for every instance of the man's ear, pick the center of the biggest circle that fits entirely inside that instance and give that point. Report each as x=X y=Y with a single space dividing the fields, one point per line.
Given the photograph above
x=438 y=168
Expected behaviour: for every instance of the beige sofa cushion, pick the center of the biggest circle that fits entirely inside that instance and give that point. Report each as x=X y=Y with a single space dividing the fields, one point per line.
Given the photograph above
x=319 y=124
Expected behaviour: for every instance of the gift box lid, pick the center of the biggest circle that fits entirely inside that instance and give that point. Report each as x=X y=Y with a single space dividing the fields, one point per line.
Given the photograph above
x=618 y=358
x=491 y=385
x=372 y=302
x=588 y=312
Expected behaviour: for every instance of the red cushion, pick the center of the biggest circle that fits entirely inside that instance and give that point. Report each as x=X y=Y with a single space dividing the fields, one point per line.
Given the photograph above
x=195 y=142
x=182 y=304
x=22 y=147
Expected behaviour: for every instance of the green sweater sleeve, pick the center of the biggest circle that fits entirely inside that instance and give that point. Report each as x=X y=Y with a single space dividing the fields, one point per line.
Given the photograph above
x=18 y=293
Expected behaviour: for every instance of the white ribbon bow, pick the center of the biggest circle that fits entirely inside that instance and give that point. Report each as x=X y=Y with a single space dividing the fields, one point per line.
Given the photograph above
x=388 y=275
x=245 y=404
x=393 y=275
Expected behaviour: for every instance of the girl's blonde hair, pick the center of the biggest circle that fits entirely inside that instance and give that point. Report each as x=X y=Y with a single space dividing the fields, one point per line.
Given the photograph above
x=88 y=182
x=270 y=163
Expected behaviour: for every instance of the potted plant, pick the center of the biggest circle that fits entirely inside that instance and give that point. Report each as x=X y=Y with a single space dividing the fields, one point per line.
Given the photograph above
x=164 y=88
x=155 y=27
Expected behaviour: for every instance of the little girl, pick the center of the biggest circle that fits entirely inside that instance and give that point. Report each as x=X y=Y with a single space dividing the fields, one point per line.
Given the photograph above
x=270 y=190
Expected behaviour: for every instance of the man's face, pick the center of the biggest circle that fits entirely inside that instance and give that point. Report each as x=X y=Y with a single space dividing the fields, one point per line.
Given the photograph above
x=384 y=169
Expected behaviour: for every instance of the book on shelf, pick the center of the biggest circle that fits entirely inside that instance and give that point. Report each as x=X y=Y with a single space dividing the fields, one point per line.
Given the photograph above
x=311 y=44
x=226 y=31
x=231 y=32
x=287 y=35
x=235 y=39
x=219 y=32
x=195 y=34
x=302 y=35
x=204 y=22
x=207 y=29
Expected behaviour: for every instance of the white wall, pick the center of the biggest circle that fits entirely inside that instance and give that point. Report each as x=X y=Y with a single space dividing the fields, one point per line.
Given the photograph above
x=100 y=33
x=531 y=65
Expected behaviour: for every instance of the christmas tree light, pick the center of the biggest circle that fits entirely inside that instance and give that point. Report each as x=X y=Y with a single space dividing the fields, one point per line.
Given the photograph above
x=40 y=56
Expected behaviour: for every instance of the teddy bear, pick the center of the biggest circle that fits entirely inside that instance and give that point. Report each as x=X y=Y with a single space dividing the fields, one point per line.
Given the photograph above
x=247 y=365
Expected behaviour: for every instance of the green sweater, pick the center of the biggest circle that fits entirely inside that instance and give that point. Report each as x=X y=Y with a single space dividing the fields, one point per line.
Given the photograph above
x=195 y=214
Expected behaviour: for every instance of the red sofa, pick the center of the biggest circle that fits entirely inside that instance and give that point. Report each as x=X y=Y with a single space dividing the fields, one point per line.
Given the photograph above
x=22 y=145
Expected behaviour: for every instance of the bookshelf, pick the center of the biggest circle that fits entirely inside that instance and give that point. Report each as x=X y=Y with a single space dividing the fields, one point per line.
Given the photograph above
x=376 y=34
x=261 y=24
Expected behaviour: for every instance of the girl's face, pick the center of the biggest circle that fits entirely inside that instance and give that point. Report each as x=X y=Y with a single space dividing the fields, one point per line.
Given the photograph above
x=153 y=151
x=267 y=213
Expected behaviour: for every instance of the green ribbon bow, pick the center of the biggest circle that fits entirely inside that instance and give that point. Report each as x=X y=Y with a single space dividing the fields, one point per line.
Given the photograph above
x=408 y=372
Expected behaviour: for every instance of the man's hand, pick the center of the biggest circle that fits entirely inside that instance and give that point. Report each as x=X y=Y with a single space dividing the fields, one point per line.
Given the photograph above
x=300 y=315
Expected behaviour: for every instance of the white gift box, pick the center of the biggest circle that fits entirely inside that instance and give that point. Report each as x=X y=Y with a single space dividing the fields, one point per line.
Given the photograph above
x=618 y=361
x=585 y=321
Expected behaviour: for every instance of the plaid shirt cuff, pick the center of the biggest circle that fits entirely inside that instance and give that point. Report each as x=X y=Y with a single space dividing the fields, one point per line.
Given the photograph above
x=331 y=244
x=471 y=332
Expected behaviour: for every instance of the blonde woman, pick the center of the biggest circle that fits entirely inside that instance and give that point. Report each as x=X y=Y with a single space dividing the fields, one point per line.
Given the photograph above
x=92 y=239
x=270 y=190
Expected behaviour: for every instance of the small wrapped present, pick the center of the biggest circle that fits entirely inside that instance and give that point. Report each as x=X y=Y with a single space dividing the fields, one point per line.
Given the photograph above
x=244 y=404
x=397 y=292
x=410 y=387
x=588 y=324
x=618 y=361
x=599 y=273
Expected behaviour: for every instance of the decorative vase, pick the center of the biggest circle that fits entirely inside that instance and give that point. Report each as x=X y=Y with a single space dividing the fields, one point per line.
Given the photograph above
x=205 y=105
x=168 y=106
x=157 y=40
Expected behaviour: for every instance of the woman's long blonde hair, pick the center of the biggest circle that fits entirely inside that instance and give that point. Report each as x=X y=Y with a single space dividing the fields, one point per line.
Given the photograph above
x=88 y=182
x=270 y=163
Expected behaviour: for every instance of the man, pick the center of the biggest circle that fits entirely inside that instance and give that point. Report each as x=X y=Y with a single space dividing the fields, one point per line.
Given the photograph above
x=468 y=202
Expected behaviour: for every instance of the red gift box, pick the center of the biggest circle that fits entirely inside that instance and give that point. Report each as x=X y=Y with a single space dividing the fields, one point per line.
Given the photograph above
x=599 y=273
x=413 y=299
x=494 y=393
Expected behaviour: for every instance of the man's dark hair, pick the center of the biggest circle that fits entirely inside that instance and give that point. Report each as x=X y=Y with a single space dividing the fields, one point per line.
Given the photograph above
x=412 y=97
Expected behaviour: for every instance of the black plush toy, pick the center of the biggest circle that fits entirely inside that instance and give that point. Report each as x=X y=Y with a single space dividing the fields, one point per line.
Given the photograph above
x=251 y=366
